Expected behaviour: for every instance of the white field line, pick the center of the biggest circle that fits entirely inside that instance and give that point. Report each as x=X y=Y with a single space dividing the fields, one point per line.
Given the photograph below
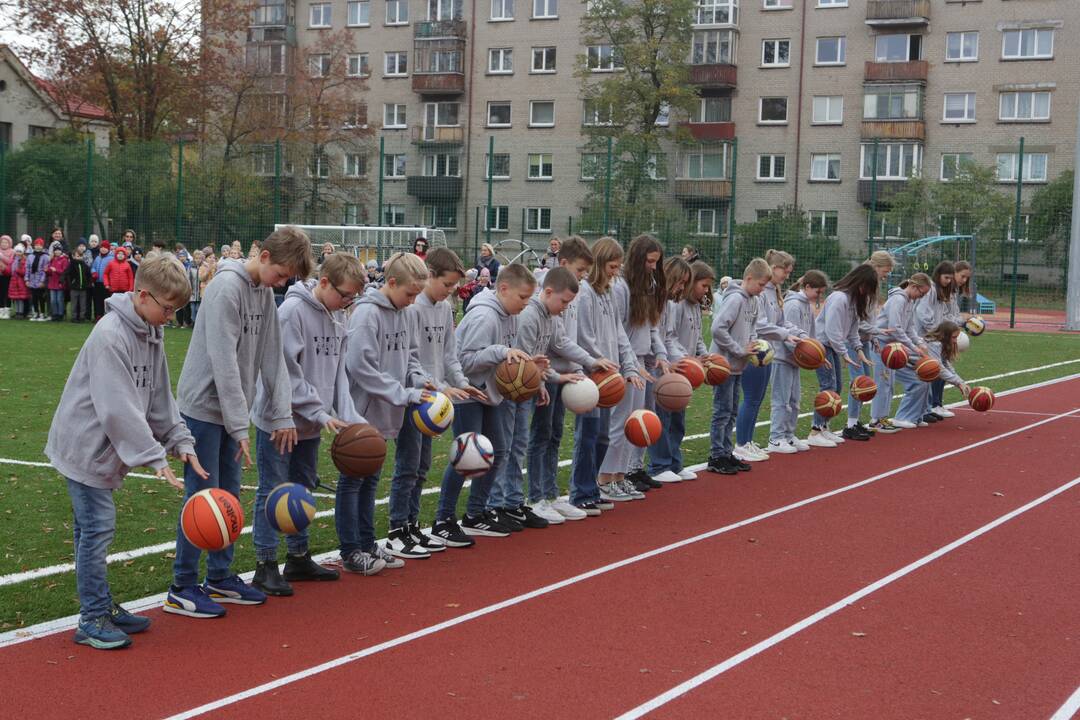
x=736 y=660
x=1069 y=709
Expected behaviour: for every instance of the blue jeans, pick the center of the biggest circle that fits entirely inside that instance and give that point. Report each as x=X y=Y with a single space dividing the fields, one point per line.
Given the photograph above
x=828 y=379
x=487 y=420
x=755 y=382
x=95 y=527
x=786 y=391
x=299 y=466
x=854 y=407
x=545 y=436
x=354 y=513
x=916 y=393
x=725 y=400
x=57 y=306
x=216 y=451
x=411 y=464
x=506 y=492
x=193 y=306
x=666 y=452
x=590 y=447
x=937 y=393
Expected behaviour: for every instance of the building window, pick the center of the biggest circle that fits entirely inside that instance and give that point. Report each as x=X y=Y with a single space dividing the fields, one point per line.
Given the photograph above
x=543 y=60
x=772 y=110
x=502 y=9
x=598 y=114
x=352 y=214
x=319 y=65
x=828 y=110
x=603 y=58
x=359 y=13
x=442 y=165
x=394 y=117
x=825 y=167
x=443 y=215
x=832 y=3
x=952 y=164
x=394 y=166
x=397 y=64
x=320 y=15
x=776 y=4
x=717 y=12
x=663 y=115
x=501 y=61
x=1025 y=227
x=959 y=107
x=771 y=167
x=498 y=218
x=656 y=167
x=442 y=114
x=1034 y=167
x=704 y=221
x=961 y=47
x=704 y=164
x=500 y=166
x=591 y=165
x=712 y=110
x=895 y=161
x=831 y=50
x=898 y=48
x=1029 y=44
x=357 y=65
x=498 y=114
x=892 y=102
x=1024 y=106
x=355 y=165
x=397 y=12
x=545 y=9
x=541 y=113
x=538 y=219
x=394 y=215
x=540 y=166
x=711 y=47
x=776 y=53
x=319 y=166
x=824 y=222
x=262 y=158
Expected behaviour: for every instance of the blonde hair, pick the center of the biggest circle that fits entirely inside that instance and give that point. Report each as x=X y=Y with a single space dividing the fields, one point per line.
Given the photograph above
x=516 y=275
x=605 y=250
x=290 y=247
x=758 y=269
x=919 y=280
x=403 y=267
x=162 y=274
x=779 y=258
x=341 y=268
x=881 y=259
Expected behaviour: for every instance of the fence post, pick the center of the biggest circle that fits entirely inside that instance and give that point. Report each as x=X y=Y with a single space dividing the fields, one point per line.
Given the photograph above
x=607 y=189
x=1016 y=231
x=731 y=208
x=476 y=234
x=88 y=204
x=382 y=172
x=490 y=183
x=873 y=200
x=1072 y=279
x=179 y=189
x=277 y=182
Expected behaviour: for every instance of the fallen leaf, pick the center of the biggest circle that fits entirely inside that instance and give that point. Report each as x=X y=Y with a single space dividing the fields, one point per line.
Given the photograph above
x=453 y=604
x=858 y=634
x=999 y=494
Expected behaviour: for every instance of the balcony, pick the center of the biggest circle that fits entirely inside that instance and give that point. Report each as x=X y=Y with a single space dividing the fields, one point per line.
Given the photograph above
x=438 y=137
x=699 y=190
x=720 y=76
x=437 y=83
x=886 y=13
x=885 y=190
x=894 y=129
x=439 y=57
x=440 y=30
x=435 y=189
x=910 y=71
x=705 y=131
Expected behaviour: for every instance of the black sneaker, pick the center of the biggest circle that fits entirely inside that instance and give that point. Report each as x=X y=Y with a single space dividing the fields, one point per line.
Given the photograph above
x=449 y=533
x=868 y=430
x=532 y=520
x=931 y=418
x=485 y=524
x=424 y=540
x=642 y=480
x=721 y=465
x=853 y=433
x=739 y=464
x=604 y=504
x=302 y=567
x=268 y=579
x=400 y=543
x=591 y=509
x=508 y=518
x=512 y=513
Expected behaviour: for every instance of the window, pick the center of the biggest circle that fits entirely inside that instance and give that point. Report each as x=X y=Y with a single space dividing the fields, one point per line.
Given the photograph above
x=603 y=58
x=439 y=10
x=545 y=8
x=443 y=61
x=442 y=165
x=711 y=47
x=540 y=166
x=319 y=166
x=501 y=61
x=704 y=164
x=776 y=4
x=355 y=165
x=498 y=218
x=712 y=109
x=591 y=165
x=498 y=114
x=359 y=13
x=319 y=65
x=442 y=114
x=831 y=50
x=656 y=167
x=775 y=53
x=598 y=113
x=1027 y=44
x=358 y=65
x=541 y=113
x=771 y=167
x=394 y=215
x=960 y=107
x=355 y=115
x=1024 y=106
x=898 y=48
x=825 y=167
x=397 y=12
x=397 y=64
x=394 y=117
x=772 y=110
x=268 y=12
x=394 y=166
x=500 y=166
x=895 y=161
x=439 y=216
x=824 y=222
x=952 y=164
x=892 y=102
x=704 y=221
x=266 y=59
x=502 y=9
x=961 y=47
x=831 y=3
x=717 y=12
x=538 y=219
x=1034 y=167
x=353 y=214
x=828 y=109
x=320 y=15
x=543 y=60
x=1025 y=226
x=663 y=115
x=263 y=160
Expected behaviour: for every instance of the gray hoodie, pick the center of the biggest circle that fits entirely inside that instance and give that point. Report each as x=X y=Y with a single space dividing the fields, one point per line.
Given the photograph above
x=566 y=325
x=684 y=328
x=948 y=374
x=236 y=342
x=433 y=325
x=539 y=333
x=125 y=417
x=734 y=325
x=313 y=339
x=383 y=362
x=798 y=314
x=771 y=324
x=838 y=325
x=899 y=316
x=484 y=338
x=645 y=340
x=929 y=311
x=600 y=333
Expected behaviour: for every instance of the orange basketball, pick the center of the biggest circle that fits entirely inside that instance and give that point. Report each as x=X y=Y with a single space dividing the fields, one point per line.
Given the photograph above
x=518 y=381
x=673 y=392
x=358 y=450
x=611 y=385
x=642 y=428
x=717 y=369
x=809 y=354
x=863 y=388
x=692 y=370
x=928 y=369
x=212 y=519
x=894 y=355
x=827 y=403
x=981 y=398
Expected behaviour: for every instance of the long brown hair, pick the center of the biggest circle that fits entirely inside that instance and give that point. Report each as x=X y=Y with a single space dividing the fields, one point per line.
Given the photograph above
x=944 y=292
x=675 y=269
x=699 y=271
x=811 y=278
x=648 y=289
x=958 y=267
x=943 y=334
x=604 y=251
x=861 y=287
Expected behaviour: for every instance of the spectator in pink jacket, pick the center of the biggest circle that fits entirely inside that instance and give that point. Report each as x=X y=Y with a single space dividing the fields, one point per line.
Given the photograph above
x=18 y=293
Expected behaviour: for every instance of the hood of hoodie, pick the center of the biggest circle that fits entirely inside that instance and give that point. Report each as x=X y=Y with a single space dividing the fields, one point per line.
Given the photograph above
x=237 y=267
x=897 y=291
x=373 y=296
x=305 y=292
x=488 y=298
x=124 y=307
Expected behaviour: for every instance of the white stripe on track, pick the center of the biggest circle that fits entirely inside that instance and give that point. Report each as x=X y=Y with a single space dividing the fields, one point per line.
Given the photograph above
x=1069 y=709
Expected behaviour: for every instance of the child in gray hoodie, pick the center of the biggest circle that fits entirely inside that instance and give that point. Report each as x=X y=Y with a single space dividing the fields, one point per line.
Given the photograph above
x=125 y=418
x=896 y=323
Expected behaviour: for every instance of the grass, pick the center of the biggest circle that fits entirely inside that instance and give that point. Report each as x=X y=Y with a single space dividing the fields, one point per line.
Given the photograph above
x=34 y=505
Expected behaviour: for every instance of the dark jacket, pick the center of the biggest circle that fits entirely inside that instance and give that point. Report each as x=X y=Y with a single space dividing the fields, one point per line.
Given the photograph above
x=78 y=275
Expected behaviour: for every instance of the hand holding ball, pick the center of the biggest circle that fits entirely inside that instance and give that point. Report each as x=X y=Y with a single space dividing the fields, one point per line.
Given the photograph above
x=518 y=381
x=610 y=385
x=673 y=392
x=761 y=353
x=434 y=414
x=580 y=397
x=809 y=354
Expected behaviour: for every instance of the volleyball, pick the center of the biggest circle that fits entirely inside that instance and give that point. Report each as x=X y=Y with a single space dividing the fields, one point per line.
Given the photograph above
x=762 y=353
x=290 y=508
x=434 y=414
x=963 y=342
x=975 y=325
x=580 y=397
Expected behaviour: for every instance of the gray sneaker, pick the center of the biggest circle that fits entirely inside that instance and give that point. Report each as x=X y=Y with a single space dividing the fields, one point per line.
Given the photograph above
x=391 y=562
x=101 y=634
x=363 y=563
x=633 y=492
x=614 y=492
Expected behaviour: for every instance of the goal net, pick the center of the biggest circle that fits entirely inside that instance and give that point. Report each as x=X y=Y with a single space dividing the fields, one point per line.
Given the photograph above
x=370 y=242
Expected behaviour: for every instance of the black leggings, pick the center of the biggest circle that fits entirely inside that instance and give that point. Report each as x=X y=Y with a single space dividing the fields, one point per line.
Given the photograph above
x=39 y=300
x=5 y=283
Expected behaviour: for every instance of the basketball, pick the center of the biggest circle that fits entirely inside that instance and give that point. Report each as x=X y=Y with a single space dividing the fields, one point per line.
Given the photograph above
x=673 y=392
x=894 y=355
x=981 y=398
x=358 y=450
x=642 y=428
x=611 y=387
x=581 y=396
x=518 y=381
x=212 y=519
x=290 y=507
x=471 y=454
x=863 y=388
x=692 y=370
x=434 y=414
x=928 y=369
x=809 y=354
x=762 y=353
x=717 y=369
x=975 y=325
x=827 y=403
x=963 y=342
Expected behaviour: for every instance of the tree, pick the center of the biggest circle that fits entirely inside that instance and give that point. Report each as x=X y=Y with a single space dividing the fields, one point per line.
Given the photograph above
x=788 y=228
x=1051 y=221
x=46 y=178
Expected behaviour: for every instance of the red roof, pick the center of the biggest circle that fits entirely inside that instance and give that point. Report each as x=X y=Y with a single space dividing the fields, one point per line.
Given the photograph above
x=72 y=104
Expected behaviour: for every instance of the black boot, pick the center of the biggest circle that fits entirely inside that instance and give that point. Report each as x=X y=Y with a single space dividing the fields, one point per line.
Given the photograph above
x=302 y=567
x=268 y=579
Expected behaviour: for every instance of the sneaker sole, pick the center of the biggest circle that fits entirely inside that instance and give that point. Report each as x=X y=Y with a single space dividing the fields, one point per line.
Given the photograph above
x=481 y=532
x=406 y=555
x=220 y=598
x=271 y=593
x=609 y=498
x=177 y=610
x=82 y=639
x=456 y=543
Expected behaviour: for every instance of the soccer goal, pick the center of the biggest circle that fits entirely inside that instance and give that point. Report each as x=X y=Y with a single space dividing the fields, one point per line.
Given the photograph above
x=370 y=242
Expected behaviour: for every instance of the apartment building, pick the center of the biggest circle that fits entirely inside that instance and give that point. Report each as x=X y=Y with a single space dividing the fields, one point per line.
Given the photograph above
x=806 y=87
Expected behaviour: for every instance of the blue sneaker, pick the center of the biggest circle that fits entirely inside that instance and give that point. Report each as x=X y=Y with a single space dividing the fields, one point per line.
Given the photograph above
x=233 y=590
x=191 y=601
x=101 y=634
x=126 y=621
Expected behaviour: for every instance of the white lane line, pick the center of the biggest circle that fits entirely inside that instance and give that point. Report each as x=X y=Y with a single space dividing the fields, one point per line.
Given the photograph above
x=1010 y=412
x=510 y=602
x=736 y=660
x=1069 y=709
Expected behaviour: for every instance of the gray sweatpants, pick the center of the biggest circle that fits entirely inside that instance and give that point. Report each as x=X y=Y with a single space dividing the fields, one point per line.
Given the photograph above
x=80 y=308
x=621 y=453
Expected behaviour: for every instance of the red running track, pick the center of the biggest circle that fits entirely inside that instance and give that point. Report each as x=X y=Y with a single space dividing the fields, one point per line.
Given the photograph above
x=605 y=644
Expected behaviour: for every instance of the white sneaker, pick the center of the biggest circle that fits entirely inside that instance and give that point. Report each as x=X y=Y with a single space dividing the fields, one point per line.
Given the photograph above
x=629 y=489
x=800 y=445
x=760 y=449
x=750 y=453
x=687 y=474
x=668 y=477
x=942 y=411
x=738 y=454
x=783 y=447
x=907 y=425
x=819 y=439
x=568 y=511
x=543 y=509
x=613 y=492
x=836 y=438
x=923 y=423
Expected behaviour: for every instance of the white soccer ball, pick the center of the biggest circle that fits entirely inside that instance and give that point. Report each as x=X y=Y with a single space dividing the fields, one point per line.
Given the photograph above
x=581 y=396
x=963 y=342
x=472 y=454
